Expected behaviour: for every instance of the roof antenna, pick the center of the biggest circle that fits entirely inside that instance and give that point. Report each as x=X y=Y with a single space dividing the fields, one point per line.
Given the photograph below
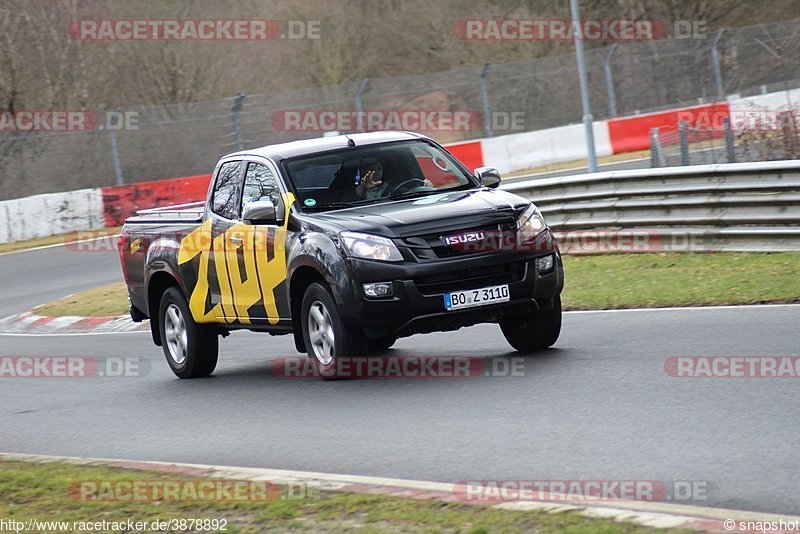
x=350 y=142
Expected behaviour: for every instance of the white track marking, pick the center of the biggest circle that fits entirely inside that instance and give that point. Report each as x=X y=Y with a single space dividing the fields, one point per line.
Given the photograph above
x=54 y=245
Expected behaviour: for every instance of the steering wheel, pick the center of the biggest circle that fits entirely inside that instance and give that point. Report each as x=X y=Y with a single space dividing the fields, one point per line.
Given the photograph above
x=404 y=183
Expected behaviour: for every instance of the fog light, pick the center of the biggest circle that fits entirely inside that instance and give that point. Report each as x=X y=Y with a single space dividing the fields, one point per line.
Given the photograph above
x=545 y=264
x=378 y=290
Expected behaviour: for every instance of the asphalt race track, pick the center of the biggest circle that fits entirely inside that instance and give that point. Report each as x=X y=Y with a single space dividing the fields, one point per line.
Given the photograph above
x=597 y=407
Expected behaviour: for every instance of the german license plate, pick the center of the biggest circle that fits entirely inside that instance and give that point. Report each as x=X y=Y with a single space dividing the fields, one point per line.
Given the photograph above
x=458 y=300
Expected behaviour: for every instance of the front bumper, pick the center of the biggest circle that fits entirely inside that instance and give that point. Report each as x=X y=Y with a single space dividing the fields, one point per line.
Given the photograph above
x=417 y=305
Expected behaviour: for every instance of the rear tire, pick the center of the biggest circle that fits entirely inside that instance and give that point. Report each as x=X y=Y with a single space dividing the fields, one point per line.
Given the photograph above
x=326 y=337
x=191 y=349
x=535 y=331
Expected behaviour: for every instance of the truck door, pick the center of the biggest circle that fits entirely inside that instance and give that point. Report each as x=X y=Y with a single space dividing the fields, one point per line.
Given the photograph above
x=256 y=253
x=223 y=215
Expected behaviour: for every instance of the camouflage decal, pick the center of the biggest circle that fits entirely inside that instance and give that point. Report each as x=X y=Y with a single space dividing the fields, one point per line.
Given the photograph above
x=241 y=273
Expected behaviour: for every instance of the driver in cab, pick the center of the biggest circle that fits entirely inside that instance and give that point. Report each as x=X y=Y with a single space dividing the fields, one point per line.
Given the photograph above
x=369 y=185
x=363 y=180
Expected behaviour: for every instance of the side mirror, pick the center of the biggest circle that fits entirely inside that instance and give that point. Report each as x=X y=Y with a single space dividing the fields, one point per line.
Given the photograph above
x=488 y=176
x=260 y=211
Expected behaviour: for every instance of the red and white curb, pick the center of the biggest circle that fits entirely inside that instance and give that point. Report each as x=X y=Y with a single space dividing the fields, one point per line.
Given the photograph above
x=645 y=513
x=29 y=323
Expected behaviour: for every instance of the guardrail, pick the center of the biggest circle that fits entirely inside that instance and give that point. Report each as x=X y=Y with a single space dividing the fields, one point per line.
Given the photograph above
x=733 y=207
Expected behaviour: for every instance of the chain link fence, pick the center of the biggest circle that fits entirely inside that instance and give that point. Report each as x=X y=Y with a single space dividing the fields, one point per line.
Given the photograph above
x=624 y=79
x=702 y=146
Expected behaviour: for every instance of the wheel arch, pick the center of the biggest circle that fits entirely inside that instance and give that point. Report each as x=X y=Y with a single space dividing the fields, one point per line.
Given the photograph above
x=159 y=282
x=302 y=277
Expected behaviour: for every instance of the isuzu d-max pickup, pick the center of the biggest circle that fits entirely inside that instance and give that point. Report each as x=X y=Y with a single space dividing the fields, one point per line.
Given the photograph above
x=347 y=243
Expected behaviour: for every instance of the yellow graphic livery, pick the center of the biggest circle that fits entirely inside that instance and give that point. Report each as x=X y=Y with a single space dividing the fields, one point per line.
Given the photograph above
x=246 y=263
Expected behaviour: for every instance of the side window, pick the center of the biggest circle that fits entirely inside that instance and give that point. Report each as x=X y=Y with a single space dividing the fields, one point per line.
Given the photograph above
x=226 y=190
x=260 y=184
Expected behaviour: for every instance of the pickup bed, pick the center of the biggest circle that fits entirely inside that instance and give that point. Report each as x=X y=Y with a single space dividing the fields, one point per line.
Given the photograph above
x=347 y=243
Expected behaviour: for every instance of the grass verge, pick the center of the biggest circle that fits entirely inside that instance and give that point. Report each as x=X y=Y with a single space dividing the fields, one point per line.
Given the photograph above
x=688 y=279
x=42 y=492
x=108 y=300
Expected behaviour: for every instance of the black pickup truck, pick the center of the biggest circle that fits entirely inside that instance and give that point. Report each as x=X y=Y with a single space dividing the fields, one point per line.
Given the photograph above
x=348 y=243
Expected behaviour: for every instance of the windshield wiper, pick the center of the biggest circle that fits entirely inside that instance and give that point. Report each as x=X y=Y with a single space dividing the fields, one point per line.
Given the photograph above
x=412 y=194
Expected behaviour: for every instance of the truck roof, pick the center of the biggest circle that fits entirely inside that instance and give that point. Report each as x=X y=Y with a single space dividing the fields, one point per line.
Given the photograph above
x=324 y=144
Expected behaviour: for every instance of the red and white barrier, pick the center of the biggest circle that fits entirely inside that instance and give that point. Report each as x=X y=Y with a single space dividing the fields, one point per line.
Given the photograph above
x=58 y=213
x=122 y=201
x=629 y=134
x=515 y=152
x=50 y=214
x=762 y=110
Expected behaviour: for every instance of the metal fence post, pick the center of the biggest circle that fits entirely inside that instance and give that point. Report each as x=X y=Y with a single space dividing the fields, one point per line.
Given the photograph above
x=583 y=83
x=487 y=112
x=683 y=136
x=612 y=97
x=237 y=127
x=112 y=133
x=717 y=67
x=730 y=147
x=359 y=106
x=653 y=147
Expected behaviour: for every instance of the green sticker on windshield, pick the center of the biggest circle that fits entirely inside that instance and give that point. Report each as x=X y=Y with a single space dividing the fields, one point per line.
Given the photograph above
x=310 y=202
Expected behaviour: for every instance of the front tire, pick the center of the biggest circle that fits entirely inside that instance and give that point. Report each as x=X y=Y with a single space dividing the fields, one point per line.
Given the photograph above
x=191 y=349
x=326 y=337
x=535 y=331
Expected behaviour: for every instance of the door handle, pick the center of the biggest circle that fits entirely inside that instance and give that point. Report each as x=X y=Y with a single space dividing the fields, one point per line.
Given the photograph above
x=235 y=240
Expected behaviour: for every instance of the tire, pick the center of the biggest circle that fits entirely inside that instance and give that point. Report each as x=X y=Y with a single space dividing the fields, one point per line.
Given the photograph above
x=194 y=353
x=382 y=343
x=535 y=331
x=321 y=322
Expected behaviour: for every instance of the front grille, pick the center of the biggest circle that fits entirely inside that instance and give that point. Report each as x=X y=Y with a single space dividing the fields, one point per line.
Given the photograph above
x=474 y=278
x=432 y=246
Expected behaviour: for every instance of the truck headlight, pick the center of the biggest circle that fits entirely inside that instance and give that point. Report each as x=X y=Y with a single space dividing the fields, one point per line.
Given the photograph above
x=370 y=247
x=530 y=224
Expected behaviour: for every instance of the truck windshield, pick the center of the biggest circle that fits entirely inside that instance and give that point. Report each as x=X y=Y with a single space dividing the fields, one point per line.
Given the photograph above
x=374 y=173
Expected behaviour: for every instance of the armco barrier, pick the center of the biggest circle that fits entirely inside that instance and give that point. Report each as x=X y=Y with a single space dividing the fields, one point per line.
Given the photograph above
x=733 y=206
